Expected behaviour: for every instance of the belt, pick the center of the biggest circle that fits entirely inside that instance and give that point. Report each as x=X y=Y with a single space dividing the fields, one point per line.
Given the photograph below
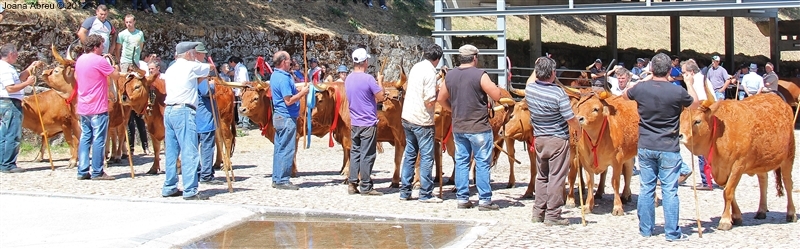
x=184 y=105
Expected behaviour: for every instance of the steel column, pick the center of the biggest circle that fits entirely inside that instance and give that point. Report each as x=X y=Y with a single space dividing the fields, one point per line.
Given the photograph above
x=611 y=36
x=729 y=53
x=774 y=49
x=675 y=34
x=535 y=36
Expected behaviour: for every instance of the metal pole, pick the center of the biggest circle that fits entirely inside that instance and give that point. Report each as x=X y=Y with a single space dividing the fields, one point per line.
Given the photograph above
x=502 y=80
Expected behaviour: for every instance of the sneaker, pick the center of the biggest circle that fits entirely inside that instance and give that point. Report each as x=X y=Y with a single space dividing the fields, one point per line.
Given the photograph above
x=168 y=10
x=286 y=186
x=174 y=194
x=104 y=177
x=682 y=178
x=197 y=197
x=212 y=182
x=372 y=192
x=432 y=200
x=557 y=222
x=683 y=237
x=352 y=188
x=153 y=9
x=465 y=205
x=383 y=7
x=86 y=176
x=488 y=207
x=14 y=170
x=537 y=219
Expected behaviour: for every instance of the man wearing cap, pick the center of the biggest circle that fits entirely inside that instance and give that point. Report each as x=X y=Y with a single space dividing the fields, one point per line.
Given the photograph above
x=464 y=93
x=363 y=93
x=637 y=70
x=675 y=74
x=598 y=74
x=752 y=82
x=92 y=71
x=418 y=124
x=718 y=76
x=286 y=103
x=204 y=120
x=179 y=121
x=11 y=94
x=342 y=73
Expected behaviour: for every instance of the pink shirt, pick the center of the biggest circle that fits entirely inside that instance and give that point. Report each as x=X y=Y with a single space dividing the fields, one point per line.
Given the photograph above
x=91 y=72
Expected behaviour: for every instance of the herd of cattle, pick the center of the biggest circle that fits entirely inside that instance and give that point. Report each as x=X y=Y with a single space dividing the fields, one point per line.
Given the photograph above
x=752 y=136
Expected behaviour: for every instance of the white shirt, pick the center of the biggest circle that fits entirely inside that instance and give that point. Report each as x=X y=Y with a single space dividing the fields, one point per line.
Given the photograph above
x=240 y=73
x=9 y=77
x=143 y=66
x=698 y=86
x=752 y=82
x=181 y=81
x=421 y=89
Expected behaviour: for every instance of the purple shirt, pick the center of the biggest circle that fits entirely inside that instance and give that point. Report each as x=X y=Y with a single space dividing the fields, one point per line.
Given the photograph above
x=360 y=89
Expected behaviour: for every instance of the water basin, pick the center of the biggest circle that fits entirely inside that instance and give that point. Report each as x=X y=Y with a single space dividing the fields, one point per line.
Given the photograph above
x=315 y=232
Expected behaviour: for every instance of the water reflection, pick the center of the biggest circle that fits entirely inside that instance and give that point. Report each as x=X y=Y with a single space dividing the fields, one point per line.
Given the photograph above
x=330 y=233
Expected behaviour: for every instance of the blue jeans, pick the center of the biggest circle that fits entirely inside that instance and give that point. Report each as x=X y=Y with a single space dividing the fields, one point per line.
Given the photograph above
x=285 y=148
x=719 y=95
x=10 y=133
x=663 y=166
x=94 y=131
x=480 y=146
x=419 y=139
x=685 y=169
x=702 y=161
x=205 y=168
x=180 y=138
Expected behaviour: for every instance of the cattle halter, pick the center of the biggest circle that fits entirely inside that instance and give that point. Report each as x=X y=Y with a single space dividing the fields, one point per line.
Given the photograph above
x=599 y=138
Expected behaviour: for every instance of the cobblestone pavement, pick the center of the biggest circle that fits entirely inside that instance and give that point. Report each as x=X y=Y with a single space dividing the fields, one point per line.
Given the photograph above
x=321 y=189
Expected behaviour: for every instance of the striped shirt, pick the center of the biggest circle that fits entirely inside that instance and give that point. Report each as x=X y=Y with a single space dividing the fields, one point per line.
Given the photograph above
x=550 y=109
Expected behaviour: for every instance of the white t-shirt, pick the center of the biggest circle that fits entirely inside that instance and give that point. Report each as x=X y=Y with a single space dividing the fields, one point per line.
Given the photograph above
x=615 y=86
x=421 y=88
x=9 y=77
x=698 y=86
x=181 y=81
x=143 y=66
x=752 y=82
x=104 y=29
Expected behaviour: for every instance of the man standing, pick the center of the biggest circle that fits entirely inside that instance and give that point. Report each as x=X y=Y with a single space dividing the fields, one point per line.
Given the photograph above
x=92 y=71
x=238 y=74
x=179 y=121
x=98 y=25
x=314 y=68
x=363 y=93
x=752 y=82
x=204 y=119
x=638 y=69
x=675 y=74
x=11 y=94
x=619 y=83
x=598 y=74
x=286 y=101
x=129 y=44
x=552 y=117
x=659 y=105
x=718 y=76
x=419 y=126
x=771 y=80
x=464 y=93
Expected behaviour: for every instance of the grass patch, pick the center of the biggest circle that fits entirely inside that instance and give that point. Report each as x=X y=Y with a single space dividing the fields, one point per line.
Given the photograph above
x=240 y=133
x=336 y=11
x=27 y=147
x=355 y=23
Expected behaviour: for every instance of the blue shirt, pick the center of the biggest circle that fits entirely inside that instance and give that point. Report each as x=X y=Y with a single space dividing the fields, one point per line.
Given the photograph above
x=675 y=72
x=550 y=109
x=299 y=75
x=204 y=118
x=282 y=85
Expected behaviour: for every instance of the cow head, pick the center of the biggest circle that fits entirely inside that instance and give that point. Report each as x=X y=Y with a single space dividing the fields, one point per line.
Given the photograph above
x=696 y=125
x=592 y=111
x=519 y=125
x=256 y=101
x=134 y=87
x=62 y=77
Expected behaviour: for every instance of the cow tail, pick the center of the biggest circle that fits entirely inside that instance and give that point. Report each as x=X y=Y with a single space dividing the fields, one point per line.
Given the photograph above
x=779 y=182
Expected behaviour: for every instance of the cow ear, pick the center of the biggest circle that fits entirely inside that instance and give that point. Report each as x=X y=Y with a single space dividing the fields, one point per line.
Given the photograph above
x=607 y=110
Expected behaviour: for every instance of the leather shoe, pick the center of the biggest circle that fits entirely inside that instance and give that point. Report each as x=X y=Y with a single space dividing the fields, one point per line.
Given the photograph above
x=285 y=186
x=213 y=182
x=488 y=207
x=104 y=177
x=176 y=194
x=465 y=205
x=682 y=178
x=372 y=192
x=86 y=176
x=557 y=222
x=352 y=188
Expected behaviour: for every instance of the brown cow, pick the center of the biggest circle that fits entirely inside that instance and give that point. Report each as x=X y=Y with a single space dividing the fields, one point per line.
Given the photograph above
x=118 y=115
x=519 y=128
x=57 y=117
x=137 y=91
x=790 y=89
x=60 y=79
x=610 y=137
x=752 y=136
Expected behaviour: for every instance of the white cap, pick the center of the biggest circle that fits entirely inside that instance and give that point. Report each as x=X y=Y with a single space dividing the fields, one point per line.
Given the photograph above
x=360 y=55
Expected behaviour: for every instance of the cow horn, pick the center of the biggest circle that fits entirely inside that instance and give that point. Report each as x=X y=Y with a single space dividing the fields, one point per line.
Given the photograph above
x=518 y=92
x=321 y=87
x=69 y=53
x=499 y=108
x=57 y=55
x=506 y=101
x=710 y=98
x=403 y=77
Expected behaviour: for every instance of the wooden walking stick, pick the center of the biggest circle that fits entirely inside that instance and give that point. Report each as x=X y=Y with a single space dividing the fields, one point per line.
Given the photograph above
x=226 y=160
x=796 y=111
x=46 y=141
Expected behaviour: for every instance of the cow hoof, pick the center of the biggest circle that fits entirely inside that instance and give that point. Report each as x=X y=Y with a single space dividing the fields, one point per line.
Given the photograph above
x=618 y=212
x=760 y=216
x=724 y=226
x=510 y=185
x=345 y=182
x=570 y=204
x=152 y=172
x=737 y=221
x=394 y=185
x=626 y=200
x=791 y=218
x=598 y=196
x=527 y=196
x=587 y=209
x=72 y=165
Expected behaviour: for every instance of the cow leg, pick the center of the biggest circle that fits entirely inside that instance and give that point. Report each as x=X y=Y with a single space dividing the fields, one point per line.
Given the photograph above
x=627 y=173
x=72 y=140
x=601 y=186
x=510 y=149
x=589 y=192
x=736 y=215
x=572 y=175
x=398 y=160
x=156 y=167
x=346 y=165
x=39 y=157
x=451 y=150
x=786 y=175
x=762 y=201
x=531 y=186
x=725 y=222
x=437 y=160
x=617 y=171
